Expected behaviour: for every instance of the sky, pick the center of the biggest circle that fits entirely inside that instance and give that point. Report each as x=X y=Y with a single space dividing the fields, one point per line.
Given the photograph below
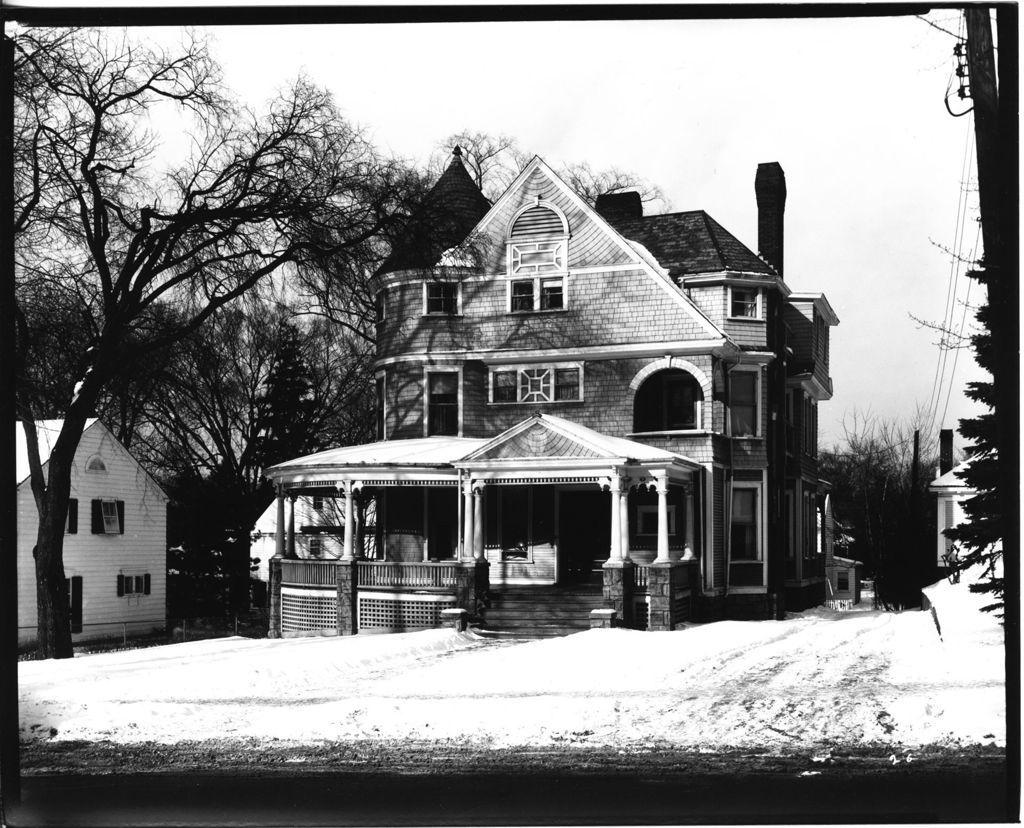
x=851 y=108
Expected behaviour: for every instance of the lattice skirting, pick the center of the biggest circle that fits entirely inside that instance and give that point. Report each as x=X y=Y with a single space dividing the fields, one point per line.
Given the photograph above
x=395 y=612
x=308 y=611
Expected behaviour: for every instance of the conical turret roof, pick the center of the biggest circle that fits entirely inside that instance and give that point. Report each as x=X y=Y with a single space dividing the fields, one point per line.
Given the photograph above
x=451 y=209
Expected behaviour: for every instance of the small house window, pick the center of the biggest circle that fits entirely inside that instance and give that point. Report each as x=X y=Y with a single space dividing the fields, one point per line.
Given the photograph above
x=316 y=546
x=743 y=526
x=442 y=298
x=318 y=503
x=133 y=585
x=537 y=384
x=743 y=303
x=95 y=464
x=743 y=403
x=843 y=581
x=443 y=404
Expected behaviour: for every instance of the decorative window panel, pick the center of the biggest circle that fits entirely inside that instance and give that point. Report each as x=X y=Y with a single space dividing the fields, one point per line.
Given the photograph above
x=535 y=258
x=537 y=384
x=537 y=221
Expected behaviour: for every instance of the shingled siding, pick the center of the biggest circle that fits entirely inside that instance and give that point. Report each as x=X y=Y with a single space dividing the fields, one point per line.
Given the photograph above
x=749 y=334
x=617 y=307
x=749 y=453
x=588 y=245
x=712 y=300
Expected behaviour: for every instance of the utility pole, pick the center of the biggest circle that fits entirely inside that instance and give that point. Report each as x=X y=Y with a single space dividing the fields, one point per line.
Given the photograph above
x=996 y=138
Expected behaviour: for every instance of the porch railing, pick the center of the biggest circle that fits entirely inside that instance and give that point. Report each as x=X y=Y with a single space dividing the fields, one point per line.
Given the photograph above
x=308 y=573
x=408 y=575
x=639 y=578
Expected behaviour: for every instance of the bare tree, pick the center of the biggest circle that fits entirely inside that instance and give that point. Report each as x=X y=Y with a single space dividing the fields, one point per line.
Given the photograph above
x=139 y=255
x=495 y=161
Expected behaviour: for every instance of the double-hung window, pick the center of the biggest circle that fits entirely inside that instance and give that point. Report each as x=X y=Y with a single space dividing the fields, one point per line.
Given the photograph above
x=441 y=298
x=133 y=585
x=743 y=530
x=443 y=404
x=108 y=517
x=537 y=294
x=743 y=408
x=743 y=303
x=537 y=384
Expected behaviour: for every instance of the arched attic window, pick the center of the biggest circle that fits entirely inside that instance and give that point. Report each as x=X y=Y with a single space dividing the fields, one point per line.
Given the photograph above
x=537 y=259
x=668 y=400
x=95 y=464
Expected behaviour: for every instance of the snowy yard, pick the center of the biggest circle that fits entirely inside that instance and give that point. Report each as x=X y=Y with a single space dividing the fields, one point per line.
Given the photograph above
x=819 y=680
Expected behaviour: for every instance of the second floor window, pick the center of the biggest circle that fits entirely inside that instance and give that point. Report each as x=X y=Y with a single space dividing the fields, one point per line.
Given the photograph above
x=379 y=308
x=537 y=384
x=743 y=403
x=442 y=298
x=443 y=404
x=743 y=303
x=668 y=400
x=108 y=517
x=743 y=535
x=537 y=295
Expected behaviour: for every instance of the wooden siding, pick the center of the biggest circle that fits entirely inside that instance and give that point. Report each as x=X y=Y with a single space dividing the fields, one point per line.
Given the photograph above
x=752 y=334
x=99 y=559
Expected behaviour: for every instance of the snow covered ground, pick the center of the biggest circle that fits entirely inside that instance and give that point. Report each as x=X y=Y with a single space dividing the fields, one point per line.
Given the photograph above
x=817 y=680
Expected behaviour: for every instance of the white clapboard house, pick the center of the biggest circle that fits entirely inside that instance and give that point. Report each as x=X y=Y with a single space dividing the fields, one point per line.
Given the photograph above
x=115 y=542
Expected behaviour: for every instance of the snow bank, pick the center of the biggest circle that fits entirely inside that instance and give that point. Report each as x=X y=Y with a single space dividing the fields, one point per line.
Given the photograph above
x=818 y=679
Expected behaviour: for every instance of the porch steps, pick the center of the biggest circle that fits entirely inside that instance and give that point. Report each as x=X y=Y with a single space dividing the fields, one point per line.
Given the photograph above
x=539 y=612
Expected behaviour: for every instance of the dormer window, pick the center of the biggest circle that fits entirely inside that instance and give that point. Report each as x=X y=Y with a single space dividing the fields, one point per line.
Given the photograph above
x=744 y=303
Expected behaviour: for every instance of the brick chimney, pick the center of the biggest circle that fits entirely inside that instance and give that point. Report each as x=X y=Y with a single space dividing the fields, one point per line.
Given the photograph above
x=620 y=206
x=770 y=189
x=945 y=450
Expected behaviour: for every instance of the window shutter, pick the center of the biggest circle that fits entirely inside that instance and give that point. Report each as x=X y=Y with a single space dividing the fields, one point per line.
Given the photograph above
x=97 y=517
x=146 y=581
x=73 y=516
x=120 y=586
x=120 y=516
x=76 y=603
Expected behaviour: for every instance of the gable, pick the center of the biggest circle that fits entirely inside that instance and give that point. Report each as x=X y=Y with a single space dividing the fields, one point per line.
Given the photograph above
x=537 y=441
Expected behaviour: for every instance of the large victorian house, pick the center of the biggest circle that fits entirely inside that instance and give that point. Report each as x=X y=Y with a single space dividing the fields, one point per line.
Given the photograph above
x=585 y=413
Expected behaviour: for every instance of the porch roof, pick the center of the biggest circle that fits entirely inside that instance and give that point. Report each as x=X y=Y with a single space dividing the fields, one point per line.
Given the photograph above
x=544 y=436
x=540 y=441
x=429 y=452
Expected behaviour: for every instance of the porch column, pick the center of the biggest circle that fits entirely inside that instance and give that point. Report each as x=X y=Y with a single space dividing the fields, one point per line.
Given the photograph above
x=688 y=537
x=624 y=523
x=291 y=527
x=478 y=523
x=615 y=487
x=348 y=552
x=469 y=513
x=661 y=482
x=279 y=546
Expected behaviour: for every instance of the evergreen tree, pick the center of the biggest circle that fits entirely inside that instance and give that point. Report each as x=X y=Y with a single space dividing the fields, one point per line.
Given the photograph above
x=980 y=538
